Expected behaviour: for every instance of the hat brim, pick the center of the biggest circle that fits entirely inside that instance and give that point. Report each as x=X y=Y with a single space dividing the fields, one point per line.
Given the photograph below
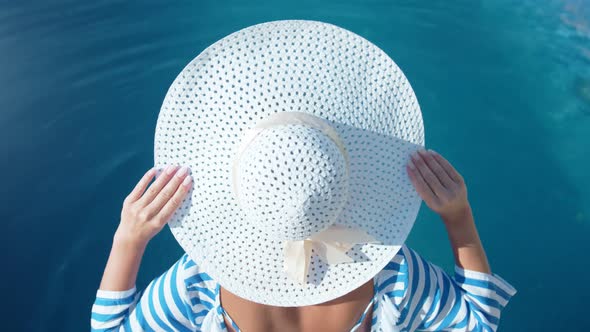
x=302 y=66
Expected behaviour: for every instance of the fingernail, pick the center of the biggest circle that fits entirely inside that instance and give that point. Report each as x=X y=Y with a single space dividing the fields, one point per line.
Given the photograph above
x=170 y=169
x=411 y=164
x=432 y=151
x=422 y=151
x=187 y=180
x=182 y=171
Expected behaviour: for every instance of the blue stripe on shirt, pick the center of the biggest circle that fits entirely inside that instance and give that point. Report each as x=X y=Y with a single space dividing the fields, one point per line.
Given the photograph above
x=197 y=279
x=505 y=296
x=110 y=302
x=175 y=296
x=203 y=291
x=103 y=318
x=169 y=287
x=474 y=282
x=433 y=305
x=443 y=302
x=141 y=319
x=487 y=301
x=407 y=306
x=151 y=306
x=455 y=306
x=425 y=291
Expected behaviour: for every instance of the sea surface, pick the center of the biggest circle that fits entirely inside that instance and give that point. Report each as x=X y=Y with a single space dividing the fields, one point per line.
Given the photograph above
x=504 y=88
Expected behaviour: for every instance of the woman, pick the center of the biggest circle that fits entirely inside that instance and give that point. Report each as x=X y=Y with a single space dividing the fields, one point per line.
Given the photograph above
x=470 y=307
x=298 y=226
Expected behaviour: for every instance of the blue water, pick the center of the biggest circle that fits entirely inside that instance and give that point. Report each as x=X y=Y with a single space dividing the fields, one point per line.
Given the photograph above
x=504 y=88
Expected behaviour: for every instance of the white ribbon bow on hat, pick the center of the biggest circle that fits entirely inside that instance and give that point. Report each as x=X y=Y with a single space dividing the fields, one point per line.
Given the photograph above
x=330 y=245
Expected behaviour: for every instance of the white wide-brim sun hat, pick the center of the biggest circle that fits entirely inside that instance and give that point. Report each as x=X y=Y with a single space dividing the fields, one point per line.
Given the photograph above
x=297 y=134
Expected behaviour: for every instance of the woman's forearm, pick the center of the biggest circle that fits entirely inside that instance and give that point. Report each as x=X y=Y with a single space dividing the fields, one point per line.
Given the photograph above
x=443 y=189
x=122 y=266
x=465 y=241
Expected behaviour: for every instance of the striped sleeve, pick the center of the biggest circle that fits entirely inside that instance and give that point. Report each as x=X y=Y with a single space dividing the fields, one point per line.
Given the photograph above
x=426 y=298
x=163 y=306
x=111 y=308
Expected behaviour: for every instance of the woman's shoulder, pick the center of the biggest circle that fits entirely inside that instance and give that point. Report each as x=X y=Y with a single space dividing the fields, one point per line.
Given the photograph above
x=193 y=273
x=201 y=289
x=395 y=265
x=395 y=273
x=405 y=262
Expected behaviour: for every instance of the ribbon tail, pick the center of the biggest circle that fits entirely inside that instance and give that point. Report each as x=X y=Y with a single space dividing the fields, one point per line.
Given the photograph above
x=333 y=253
x=296 y=260
x=343 y=234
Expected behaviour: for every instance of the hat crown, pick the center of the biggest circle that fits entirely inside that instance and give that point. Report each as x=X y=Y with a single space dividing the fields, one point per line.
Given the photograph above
x=292 y=181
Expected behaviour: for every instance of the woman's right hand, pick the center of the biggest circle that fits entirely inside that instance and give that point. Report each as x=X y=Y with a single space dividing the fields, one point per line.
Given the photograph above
x=145 y=212
x=439 y=184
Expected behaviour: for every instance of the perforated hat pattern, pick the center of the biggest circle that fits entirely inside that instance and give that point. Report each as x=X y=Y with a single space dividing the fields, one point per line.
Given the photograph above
x=293 y=182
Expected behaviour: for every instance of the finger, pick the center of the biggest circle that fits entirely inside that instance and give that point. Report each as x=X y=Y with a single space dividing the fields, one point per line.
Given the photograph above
x=437 y=169
x=418 y=181
x=427 y=174
x=168 y=191
x=141 y=185
x=157 y=186
x=176 y=200
x=451 y=171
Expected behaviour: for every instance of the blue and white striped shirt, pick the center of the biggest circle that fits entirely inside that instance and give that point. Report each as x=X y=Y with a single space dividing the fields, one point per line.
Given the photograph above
x=410 y=294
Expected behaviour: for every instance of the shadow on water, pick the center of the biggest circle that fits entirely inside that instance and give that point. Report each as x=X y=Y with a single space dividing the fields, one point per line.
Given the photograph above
x=83 y=82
